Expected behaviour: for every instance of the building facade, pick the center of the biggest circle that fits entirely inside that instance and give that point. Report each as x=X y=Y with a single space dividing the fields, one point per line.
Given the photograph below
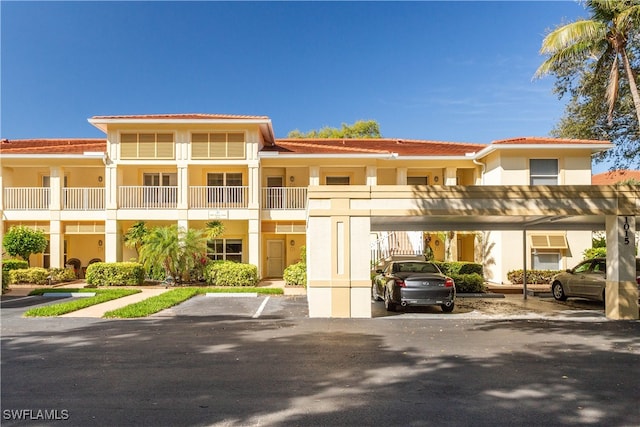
x=188 y=169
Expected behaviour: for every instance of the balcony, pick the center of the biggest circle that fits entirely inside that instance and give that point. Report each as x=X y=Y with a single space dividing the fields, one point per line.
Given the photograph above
x=218 y=197
x=27 y=198
x=284 y=198
x=83 y=199
x=147 y=197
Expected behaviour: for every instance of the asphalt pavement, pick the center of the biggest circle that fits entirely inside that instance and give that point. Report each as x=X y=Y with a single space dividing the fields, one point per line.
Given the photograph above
x=214 y=362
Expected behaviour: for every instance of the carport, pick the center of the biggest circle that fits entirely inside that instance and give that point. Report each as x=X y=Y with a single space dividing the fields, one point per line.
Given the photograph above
x=340 y=219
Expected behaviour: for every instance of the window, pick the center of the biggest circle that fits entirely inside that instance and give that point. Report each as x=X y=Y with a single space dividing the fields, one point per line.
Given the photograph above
x=218 y=145
x=230 y=194
x=546 y=261
x=228 y=249
x=543 y=171
x=156 y=191
x=417 y=180
x=146 y=146
x=337 y=180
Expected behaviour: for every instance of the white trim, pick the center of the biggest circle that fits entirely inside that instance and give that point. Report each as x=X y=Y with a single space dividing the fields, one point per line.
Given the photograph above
x=491 y=148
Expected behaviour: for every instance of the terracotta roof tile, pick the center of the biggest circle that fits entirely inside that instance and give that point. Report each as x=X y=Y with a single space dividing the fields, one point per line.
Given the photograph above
x=52 y=146
x=195 y=116
x=613 y=177
x=546 y=140
x=404 y=147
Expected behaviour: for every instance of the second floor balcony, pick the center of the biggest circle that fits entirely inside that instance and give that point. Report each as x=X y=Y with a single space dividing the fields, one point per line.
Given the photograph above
x=154 y=197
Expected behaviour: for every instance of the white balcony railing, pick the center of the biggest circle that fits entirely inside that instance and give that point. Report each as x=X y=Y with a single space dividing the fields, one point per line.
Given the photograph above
x=26 y=198
x=284 y=198
x=83 y=199
x=218 y=197
x=147 y=197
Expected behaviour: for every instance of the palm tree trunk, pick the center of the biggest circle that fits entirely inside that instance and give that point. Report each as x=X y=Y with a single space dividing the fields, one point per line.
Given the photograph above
x=632 y=84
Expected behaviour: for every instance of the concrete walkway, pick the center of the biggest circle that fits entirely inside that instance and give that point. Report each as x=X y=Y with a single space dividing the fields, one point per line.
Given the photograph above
x=99 y=310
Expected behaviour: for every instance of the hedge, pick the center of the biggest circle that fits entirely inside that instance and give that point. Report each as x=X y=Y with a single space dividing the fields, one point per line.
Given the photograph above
x=35 y=275
x=7 y=266
x=115 y=274
x=533 y=276
x=459 y=267
x=469 y=283
x=62 y=274
x=296 y=274
x=229 y=273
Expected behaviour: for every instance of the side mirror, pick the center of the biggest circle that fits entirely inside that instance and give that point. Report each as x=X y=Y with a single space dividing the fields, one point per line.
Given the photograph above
x=379 y=271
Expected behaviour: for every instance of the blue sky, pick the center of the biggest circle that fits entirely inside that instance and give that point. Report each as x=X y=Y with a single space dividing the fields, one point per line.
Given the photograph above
x=452 y=71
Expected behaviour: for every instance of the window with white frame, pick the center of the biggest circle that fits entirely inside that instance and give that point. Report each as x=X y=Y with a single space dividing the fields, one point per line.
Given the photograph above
x=543 y=172
x=337 y=180
x=227 y=249
x=546 y=260
x=417 y=180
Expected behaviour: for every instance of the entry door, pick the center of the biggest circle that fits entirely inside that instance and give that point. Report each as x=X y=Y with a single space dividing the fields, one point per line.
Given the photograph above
x=275 y=258
x=275 y=194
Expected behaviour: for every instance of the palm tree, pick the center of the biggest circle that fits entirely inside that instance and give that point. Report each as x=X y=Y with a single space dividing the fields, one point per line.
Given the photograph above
x=173 y=249
x=135 y=235
x=603 y=38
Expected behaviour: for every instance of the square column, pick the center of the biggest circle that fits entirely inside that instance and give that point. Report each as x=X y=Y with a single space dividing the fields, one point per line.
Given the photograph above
x=338 y=265
x=56 y=244
x=621 y=292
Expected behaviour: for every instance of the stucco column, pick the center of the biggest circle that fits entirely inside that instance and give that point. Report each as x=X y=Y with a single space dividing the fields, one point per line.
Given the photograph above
x=372 y=175
x=55 y=188
x=253 y=182
x=338 y=258
x=621 y=292
x=112 y=249
x=183 y=187
x=314 y=175
x=254 y=257
x=450 y=176
x=56 y=244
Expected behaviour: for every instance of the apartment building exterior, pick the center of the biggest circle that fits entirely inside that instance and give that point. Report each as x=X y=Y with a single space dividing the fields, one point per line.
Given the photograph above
x=188 y=169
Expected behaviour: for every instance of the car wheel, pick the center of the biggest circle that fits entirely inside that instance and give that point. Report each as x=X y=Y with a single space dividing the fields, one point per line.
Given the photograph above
x=388 y=304
x=558 y=291
x=448 y=307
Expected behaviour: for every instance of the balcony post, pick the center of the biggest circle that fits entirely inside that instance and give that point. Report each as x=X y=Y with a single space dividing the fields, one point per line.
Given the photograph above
x=55 y=187
x=183 y=187
x=254 y=187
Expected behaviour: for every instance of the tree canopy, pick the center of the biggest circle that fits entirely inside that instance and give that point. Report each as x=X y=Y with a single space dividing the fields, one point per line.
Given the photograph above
x=23 y=241
x=359 y=129
x=595 y=62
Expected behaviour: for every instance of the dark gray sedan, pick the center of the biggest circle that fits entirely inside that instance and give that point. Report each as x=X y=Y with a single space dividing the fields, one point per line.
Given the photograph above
x=404 y=283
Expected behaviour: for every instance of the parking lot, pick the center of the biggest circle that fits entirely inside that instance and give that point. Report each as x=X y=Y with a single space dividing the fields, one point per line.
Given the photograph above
x=214 y=362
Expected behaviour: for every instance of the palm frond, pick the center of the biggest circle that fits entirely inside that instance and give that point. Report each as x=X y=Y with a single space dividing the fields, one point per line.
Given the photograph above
x=612 y=88
x=580 y=51
x=628 y=19
x=579 y=32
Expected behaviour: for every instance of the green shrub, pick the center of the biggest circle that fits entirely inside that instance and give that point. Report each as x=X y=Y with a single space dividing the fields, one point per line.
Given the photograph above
x=115 y=274
x=594 y=253
x=533 y=276
x=296 y=274
x=459 y=267
x=62 y=274
x=229 y=273
x=35 y=275
x=469 y=283
x=7 y=266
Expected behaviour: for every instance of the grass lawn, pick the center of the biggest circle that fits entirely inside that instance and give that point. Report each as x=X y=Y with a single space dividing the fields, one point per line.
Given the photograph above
x=102 y=295
x=176 y=296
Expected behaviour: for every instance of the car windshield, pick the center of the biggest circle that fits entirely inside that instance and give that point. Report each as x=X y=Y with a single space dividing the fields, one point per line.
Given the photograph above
x=415 y=267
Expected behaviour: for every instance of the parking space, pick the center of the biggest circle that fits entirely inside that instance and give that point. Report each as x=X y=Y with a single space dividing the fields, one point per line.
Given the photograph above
x=256 y=307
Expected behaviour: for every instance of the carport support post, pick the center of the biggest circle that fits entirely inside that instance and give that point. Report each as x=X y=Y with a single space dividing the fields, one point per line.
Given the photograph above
x=524 y=263
x=621 y=292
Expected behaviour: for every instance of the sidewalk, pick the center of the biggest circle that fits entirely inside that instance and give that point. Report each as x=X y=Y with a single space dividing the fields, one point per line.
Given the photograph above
x=99 y=310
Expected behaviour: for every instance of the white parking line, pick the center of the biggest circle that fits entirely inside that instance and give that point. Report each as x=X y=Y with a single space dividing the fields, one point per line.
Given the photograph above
x=17 y=299
x=259 y=312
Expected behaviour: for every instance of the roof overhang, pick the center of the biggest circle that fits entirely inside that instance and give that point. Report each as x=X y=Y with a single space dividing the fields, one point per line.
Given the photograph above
x=594 y=148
